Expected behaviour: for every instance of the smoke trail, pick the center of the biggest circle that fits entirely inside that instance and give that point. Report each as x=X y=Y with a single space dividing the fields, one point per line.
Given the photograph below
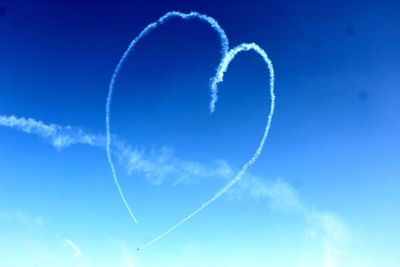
x=58 y=136
x=63 y=136
x=222 y=68
x=186 y=16
x=156 y=165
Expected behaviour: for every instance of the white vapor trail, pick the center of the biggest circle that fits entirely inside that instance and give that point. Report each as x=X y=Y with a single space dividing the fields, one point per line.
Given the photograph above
x=61 y=136
x=186 y=16
x=58 y=136
x=217 y=79
x=227 y=57
x=156 y=165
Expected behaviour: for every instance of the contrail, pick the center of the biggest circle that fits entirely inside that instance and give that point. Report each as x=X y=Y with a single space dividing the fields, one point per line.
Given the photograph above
x=227 y=57
x=58 y=136
x=61 y=136
x=222 y=68
x=186 y=16
x=155 y=165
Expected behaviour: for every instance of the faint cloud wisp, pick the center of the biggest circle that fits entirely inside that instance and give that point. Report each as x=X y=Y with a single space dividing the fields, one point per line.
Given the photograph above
x=74 y=247
x=156 y=165
x=280 y=196
x=159 y=166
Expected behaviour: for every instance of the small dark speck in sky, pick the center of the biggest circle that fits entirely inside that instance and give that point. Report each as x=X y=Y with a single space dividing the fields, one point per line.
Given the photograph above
x=363 y=95
x=3 y=11
x=350 y=31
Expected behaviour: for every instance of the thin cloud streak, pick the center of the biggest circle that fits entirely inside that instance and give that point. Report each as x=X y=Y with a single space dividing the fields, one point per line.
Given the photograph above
x=157 y=165
x=58 y=136
x=280 y=196
x=29 y=223
x=75 y=248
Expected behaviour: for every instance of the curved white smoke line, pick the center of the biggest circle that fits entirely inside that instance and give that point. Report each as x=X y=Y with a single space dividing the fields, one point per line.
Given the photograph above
x=61 y=136
x=219 y=78
x=186 y=16
x=223 y=66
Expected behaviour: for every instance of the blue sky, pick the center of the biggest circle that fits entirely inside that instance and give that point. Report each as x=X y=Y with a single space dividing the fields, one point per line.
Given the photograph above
x=324 y=192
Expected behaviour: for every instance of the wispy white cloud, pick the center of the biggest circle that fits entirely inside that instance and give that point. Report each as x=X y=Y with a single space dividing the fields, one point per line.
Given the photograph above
x=76 y=251
x=161 y=165
x=58 y=136
x=128 y=260
x=334 y=232
x=28 y=222
x=280 y=196
x=277 y=194
x=156 y=165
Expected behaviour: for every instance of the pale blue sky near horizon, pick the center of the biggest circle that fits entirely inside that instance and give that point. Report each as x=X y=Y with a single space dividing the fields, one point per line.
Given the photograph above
x=324 y=192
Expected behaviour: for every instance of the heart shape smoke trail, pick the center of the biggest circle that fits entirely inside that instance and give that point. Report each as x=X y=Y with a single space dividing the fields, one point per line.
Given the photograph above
x=226 y=57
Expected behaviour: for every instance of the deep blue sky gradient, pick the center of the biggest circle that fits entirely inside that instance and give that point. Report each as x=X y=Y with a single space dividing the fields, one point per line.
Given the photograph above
x=334 y=136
